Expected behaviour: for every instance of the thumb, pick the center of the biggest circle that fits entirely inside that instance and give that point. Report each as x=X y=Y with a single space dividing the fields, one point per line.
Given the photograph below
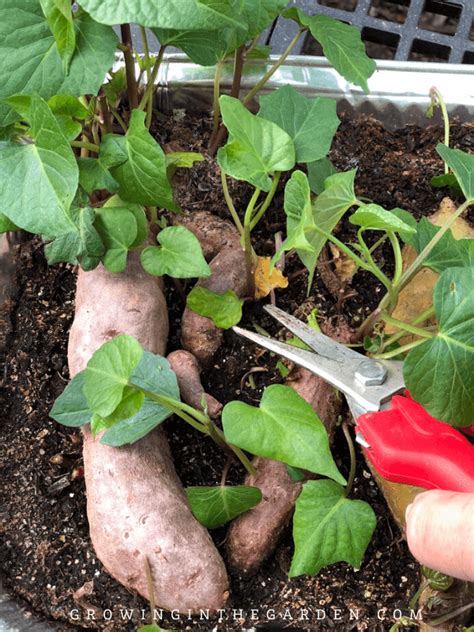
x=440 y=532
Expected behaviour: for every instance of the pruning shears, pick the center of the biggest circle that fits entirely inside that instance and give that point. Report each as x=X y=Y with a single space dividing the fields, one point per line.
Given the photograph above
x=402 y=441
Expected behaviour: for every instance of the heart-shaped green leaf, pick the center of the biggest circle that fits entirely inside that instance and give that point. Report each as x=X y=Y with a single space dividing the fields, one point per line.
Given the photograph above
x=60 y=20
x=318 y=172
x=374 y=217
x=329 y=528
x=462 y=164
x=71 y=408
x=171 y=14
x=108 y=372
x=342 y=45
x=440 y=372
x=225 y=310
x=81 y=244
x=38 y=181
x=256 y=147
x=118 y=230
x=153 y=374
x=284 y=428
x=448 y=252
x=31 y=63
x=140 y=165
x=179 y=255
x=311 y=123
x=215 y=506
x=94 y=177
x=139 y=214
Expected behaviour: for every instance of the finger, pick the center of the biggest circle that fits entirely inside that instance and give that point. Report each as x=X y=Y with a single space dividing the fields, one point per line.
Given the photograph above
x=440 y=532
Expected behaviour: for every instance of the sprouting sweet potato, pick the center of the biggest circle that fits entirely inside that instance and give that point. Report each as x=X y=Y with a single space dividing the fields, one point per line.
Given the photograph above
x=199 y=335
x=187 y=370
x=253 y=536
x=136 y=505
x=212 y=231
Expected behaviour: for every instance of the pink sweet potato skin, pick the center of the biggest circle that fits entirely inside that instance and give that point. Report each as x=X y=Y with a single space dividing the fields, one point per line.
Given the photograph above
x=253 y=536
x=213 y=232
x=187 y=370
x=199 y=335
x=136 y=505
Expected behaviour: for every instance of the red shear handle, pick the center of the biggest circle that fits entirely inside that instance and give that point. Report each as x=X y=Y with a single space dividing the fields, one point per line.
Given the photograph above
x=409 y=446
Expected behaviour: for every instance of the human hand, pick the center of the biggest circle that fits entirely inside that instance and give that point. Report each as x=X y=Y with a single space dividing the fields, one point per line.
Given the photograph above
x=440 y=532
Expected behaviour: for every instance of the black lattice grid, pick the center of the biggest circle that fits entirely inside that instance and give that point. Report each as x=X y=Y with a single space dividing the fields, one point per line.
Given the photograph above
x=406 y=33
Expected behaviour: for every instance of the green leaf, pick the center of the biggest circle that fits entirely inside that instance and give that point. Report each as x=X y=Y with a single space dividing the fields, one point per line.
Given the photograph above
x=183 y=159
x=179 y=256
x=172 y=14
x=81 y=244
x=329 y=528
x=6 y=225
x=407 y=218
x=59 y=15
x=69 y=126
x=311 y=123
x=215 y=506
x=256 y=147
x=446 y=180
x=331 y=205
x=71 y=408
x=318 y=171
x=67 y=105
x=154 y=627
x=462 y=164
x=300 y=225
x=138 y=212
x=118 y=230
x=140 y=167
x=374 y=217
x=440 y=372
x=342 y=46
x=108 y=372
x=225 y=310
x=153 y=374
x=448 y=252
x=38 y=181
x=284 y=428
x=30 y=61
x=93 y=176
x=114 y=88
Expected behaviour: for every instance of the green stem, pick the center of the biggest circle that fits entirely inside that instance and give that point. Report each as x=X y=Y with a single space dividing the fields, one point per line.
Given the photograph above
x=118 y=118
x=216 y=95
x=395 y=352
x=372 y=267
x=437 y=98
x=268 y=200
x=219 y=437
x=177 y=408
x=148 y=94
x=397 y=253
x=352 y=473
x=417 y=331
x=259 y=85
x=400 y=334
x=146 y=50
x=230 y=204
x=416 y=265
x=247 y=242
x=82 y=144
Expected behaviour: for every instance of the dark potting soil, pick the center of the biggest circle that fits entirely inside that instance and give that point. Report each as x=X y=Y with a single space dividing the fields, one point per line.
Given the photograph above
x=45 y=552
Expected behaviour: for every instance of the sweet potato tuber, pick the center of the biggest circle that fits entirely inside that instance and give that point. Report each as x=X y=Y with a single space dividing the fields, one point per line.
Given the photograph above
x=199 y=335
x=136 y=506
x=187 y=370
x=254 y=535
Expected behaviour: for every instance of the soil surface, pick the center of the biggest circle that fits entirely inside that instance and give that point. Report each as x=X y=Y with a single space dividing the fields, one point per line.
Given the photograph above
x=45 y=551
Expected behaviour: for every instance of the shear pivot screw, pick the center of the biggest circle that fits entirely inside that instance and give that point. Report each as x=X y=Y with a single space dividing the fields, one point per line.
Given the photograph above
x=371 y=373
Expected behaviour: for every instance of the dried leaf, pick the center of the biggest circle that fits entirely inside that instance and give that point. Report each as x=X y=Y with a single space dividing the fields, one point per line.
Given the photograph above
x=344 y=266
x=266 y=281
x=417 y=296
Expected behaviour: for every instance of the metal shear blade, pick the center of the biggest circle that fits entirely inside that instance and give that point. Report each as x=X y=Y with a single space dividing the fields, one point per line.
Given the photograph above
x=332 y=361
